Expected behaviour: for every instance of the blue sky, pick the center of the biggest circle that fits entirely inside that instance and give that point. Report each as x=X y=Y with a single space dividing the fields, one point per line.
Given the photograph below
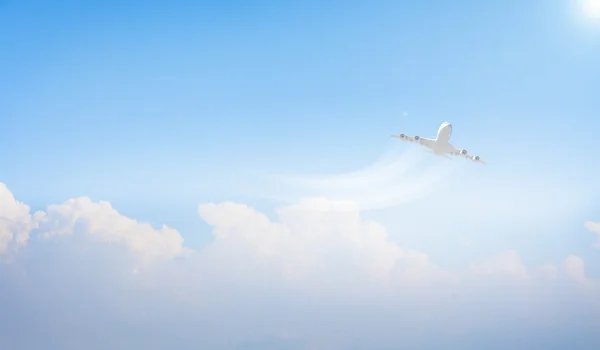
x=120 y=100
x=127 y=96
x=160 y=106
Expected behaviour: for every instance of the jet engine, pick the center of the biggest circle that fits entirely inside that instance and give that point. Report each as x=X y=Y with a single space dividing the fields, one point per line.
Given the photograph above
x=417 y=138
x=402 y=136
x=476 y=158
x=463 y=152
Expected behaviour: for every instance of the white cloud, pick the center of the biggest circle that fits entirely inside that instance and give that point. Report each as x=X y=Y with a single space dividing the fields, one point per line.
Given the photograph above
x=81 y=216
x=594 y=227
x=505 y=263
x=15 y=220
x=100 y=221
x=325 y=241
x=575 y=268
x=318 y=276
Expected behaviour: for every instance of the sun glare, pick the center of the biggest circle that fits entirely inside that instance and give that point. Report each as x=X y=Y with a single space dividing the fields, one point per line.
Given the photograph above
x=591 y=8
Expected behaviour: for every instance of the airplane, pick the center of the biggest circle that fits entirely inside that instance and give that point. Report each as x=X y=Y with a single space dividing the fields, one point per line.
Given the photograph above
x=441 y=146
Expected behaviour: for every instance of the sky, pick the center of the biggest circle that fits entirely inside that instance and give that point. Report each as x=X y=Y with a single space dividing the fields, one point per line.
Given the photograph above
x=219 y=174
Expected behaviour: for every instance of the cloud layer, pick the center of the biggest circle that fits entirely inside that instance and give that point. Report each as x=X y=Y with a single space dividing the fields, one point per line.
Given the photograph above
x=320 y=276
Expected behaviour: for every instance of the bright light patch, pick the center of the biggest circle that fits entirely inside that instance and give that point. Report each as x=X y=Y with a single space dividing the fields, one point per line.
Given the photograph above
x=591 y=8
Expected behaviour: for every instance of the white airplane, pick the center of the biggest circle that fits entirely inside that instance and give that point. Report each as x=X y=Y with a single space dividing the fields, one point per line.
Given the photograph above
x=441 y=145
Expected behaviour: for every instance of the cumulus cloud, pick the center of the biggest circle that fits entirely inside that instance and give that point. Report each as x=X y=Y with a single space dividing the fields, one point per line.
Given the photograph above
x=83 y=217
x=15 y=220
x=594 y=227
x=317 y=241
x=317 y=276
x=100 y=221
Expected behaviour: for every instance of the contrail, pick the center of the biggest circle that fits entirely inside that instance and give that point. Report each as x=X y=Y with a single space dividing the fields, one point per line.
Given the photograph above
x=396 y=177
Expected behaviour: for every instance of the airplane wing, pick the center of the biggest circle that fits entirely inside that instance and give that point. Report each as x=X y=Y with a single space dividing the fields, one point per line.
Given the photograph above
x=429 y=143
x=464 y=153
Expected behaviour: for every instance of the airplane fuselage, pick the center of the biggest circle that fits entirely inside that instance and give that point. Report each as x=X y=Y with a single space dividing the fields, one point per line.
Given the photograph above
x=442 y=141
x=441 y=145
